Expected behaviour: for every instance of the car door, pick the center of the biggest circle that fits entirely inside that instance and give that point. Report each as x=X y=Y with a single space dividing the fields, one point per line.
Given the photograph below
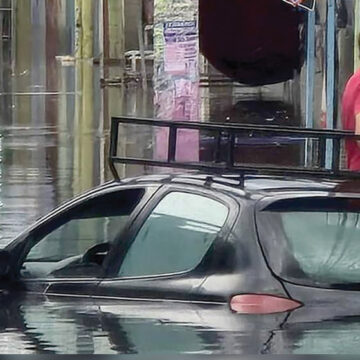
x=172 y=245
x=66 y=253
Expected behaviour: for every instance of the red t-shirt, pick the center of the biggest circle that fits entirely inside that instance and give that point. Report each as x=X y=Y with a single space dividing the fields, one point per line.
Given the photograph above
x=351 y=108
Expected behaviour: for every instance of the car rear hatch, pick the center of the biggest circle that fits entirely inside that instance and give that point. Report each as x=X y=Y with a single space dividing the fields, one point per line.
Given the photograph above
x=312 y=244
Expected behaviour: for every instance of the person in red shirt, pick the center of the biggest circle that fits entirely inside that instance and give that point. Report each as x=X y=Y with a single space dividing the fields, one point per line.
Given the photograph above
x=351 y=119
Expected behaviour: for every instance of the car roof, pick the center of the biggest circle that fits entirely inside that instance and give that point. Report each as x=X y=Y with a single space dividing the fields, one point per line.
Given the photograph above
x=252 y=184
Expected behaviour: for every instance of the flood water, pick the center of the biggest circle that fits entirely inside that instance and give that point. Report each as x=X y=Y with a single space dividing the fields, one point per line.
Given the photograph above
x=48 y=325
x=54 y=141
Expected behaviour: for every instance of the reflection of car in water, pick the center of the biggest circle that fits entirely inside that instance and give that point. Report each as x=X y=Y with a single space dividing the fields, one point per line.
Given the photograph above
x=58 y=325
x=41 y=324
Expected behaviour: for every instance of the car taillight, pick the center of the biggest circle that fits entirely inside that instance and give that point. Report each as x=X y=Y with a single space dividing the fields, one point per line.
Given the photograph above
x=262 y=304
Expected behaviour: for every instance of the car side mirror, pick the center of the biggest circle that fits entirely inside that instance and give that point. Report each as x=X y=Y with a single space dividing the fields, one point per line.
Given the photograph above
x=96 y=254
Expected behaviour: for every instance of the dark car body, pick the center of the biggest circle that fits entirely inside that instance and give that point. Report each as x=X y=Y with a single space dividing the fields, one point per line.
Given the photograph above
x=237 y=261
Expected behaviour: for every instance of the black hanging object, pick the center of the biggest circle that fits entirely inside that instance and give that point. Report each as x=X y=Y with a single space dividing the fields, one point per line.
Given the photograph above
x=254 y=42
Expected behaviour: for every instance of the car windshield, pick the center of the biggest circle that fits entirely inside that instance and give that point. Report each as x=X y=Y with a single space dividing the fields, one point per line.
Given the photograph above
x=315 y=240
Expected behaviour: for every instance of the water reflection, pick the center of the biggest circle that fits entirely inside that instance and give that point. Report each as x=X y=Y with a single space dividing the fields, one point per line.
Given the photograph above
x=54 y=138
x=39 y=324
x=52 y=325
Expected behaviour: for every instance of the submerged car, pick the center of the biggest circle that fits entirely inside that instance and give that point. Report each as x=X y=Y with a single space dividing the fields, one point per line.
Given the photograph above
x=260 y=244
x=268 y=246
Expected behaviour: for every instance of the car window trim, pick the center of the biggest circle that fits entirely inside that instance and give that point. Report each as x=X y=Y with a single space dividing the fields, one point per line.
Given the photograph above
x=265 y=201
x=232 y=206
x=108 y=188
x=150 y=190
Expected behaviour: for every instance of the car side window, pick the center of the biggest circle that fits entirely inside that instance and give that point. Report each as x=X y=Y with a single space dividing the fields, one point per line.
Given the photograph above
x=176 y=236
x=78 y=240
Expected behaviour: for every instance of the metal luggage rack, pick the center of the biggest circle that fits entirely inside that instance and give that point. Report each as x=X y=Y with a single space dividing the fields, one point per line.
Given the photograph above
x=232 y=131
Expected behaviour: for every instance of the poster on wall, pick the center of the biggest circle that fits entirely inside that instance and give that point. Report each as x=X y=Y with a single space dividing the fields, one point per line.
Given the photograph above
x=176 y=73
x=181 y=48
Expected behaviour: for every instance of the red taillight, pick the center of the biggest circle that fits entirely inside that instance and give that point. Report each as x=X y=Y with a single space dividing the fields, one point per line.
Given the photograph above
x=262 y=304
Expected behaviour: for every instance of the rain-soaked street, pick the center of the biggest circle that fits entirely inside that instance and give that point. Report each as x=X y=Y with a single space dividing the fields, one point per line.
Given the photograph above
x=54 y=144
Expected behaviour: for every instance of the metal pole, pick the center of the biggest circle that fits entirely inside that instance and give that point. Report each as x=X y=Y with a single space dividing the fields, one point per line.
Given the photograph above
x=87 y=11
x=310 y=82
x=330 y=76
x=1 y=53
x=78 y=29
x=106 y=36
x=142 y=47
x=13 y=36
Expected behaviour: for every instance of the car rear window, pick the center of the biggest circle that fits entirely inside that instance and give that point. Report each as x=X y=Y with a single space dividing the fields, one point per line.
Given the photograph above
x=313 y=241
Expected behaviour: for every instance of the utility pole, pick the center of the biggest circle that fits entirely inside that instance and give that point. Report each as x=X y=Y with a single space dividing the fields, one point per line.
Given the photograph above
x=84 y=116
x=78 y=29
x=84 y=29
x=87 y=15
x=142 y=47
x=23 y=51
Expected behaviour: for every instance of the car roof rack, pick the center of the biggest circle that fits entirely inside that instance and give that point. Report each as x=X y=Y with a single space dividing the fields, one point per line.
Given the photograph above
x=232 y=130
